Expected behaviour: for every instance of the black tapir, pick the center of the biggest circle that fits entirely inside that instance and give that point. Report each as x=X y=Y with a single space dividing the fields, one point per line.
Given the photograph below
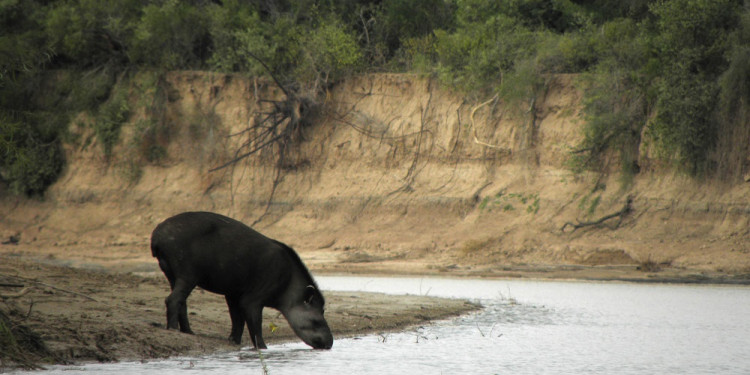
x=224 y=256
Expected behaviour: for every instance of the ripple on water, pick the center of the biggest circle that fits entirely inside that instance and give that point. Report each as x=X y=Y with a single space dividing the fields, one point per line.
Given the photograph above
x=545 y=327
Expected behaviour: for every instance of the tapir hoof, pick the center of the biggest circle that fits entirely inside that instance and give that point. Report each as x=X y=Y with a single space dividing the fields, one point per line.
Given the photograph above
x=188 y=331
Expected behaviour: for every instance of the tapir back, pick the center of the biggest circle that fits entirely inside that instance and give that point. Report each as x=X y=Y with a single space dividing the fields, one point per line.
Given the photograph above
x=218 y=254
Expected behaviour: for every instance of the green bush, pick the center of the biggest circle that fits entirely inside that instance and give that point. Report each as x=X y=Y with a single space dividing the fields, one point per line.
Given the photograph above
x=734 y=107
x=476 y=55
x=230 y=25
x=173 y=35
x=152 y=134
x=31 y=157
x=692 y=45
x=329 y=53
x=85 y=91
x=496 y=45
x=310 y=55
x=684 y=126
x=90 y=33
x=615 y=98
x=109 y=119
x=399 y=20
x=276 y=44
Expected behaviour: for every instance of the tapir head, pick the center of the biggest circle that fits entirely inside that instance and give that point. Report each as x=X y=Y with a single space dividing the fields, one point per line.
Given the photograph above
x=305 y=316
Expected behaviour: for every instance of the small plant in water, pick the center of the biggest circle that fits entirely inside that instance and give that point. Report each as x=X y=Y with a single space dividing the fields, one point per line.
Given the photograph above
x=509 y=298
x=489 y=333
x=263 y=362
x=249 y=356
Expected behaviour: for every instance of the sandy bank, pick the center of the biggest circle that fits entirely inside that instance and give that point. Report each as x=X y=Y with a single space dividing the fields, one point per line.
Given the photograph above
x=70 y=315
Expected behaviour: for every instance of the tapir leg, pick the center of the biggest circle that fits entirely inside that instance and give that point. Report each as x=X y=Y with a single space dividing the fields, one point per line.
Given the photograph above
x=183 y=318
x=177 y=306
x=253 y=312
x=238 y=320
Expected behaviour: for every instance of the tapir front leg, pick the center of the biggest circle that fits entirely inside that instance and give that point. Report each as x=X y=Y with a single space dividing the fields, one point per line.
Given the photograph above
x=238 y=320
x=254 y=317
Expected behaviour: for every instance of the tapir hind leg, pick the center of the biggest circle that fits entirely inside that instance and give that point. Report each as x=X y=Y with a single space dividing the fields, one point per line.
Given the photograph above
x=177 y=306
x=238 y=320
x=253 y=312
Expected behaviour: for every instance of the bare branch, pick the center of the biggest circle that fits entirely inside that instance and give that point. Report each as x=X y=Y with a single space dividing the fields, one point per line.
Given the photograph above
x=474 y=128
x=626 y=209
x=270 y=73
x=254 y=150
x=18 y=294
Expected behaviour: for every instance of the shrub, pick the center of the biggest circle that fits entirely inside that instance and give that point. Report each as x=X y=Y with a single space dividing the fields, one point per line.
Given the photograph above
x=109 y=120
x=85 y=91
x=31 y=158
x=684 y=126
x=734 y=107
x=476 y=55
x=400 y=20
x=330 y=52
x=90 y=33
x=276 y=43
x=692 y=44
x=229 y=24
x=615 y=99
x=173 y=35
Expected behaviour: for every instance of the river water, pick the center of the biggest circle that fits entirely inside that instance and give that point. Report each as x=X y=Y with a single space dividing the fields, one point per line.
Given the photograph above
x=526 y=327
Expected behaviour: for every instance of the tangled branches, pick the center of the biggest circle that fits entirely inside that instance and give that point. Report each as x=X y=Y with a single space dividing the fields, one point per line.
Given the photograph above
x=276 y=129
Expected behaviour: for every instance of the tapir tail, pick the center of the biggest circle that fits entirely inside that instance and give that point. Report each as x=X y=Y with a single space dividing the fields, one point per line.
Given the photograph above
x=154 y=247
x=157 y=241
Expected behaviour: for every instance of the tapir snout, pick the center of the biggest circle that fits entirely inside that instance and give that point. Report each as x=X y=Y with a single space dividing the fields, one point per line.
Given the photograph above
x=306 y=319
x=318 y=335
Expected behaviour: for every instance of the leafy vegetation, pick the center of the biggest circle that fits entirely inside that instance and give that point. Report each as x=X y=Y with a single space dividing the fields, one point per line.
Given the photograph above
x=506 y=202
x=691 y=45
x=677 y=71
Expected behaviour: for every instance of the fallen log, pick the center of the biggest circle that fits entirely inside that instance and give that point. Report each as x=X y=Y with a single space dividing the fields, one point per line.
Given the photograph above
x=626 y=209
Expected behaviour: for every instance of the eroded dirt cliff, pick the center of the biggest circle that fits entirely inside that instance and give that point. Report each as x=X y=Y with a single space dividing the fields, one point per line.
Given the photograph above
x=397 y=175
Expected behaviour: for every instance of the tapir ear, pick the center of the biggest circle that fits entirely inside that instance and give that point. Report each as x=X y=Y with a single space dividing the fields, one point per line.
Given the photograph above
x=309 y=294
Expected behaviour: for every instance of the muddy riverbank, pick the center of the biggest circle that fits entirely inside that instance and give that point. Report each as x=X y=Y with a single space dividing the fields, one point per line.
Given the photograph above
x=72 y=315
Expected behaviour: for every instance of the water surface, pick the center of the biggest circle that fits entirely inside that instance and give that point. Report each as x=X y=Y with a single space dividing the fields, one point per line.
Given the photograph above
x=526 y=327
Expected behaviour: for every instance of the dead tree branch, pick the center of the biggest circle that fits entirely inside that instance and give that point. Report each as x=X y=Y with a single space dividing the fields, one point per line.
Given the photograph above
x=474 y=127
x=18 y=294
x=411 y=173
x=280 y=125
x=626 y=209
x=281 y=87
x=27 y=289
x=275 y=128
